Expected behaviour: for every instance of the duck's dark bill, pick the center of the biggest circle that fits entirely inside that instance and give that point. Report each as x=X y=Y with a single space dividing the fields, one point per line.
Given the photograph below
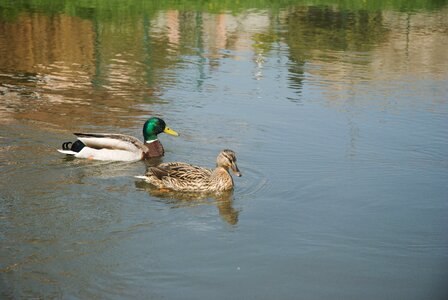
x=235 y=170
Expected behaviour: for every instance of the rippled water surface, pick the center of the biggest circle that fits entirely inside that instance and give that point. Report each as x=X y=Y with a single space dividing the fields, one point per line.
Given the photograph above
x=338 y=115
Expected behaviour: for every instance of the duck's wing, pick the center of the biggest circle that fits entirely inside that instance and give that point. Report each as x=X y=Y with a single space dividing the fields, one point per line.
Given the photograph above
x=110 y=141
x=181 y=171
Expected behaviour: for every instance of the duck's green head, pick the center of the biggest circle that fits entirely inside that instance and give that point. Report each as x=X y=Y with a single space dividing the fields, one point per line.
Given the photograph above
x=153 y=127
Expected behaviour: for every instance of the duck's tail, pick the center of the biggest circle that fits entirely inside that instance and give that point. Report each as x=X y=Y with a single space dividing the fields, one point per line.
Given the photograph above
x=72 y=148
x=66 y=145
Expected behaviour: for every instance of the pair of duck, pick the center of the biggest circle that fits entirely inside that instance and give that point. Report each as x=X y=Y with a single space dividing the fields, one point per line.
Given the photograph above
x=177 y=176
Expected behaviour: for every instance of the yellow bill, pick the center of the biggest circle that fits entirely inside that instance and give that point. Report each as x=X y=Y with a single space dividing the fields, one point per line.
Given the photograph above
x=169 y=131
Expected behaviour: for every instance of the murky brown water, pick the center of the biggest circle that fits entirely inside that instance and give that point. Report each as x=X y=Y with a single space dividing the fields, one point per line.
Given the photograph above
x=338 y=116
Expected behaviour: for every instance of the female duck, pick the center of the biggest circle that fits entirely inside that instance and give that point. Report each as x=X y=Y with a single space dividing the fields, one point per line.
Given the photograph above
x=119 y=147
x=180 y=176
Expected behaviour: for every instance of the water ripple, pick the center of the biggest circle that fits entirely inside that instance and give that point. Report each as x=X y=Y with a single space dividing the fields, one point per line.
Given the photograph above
x=252 y=183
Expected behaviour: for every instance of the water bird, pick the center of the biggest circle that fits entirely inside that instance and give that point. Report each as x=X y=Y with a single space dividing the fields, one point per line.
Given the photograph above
x=119 y=147
x=180 y=176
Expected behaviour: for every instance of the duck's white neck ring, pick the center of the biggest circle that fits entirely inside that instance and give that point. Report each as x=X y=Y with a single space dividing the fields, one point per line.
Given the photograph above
x=151 y=141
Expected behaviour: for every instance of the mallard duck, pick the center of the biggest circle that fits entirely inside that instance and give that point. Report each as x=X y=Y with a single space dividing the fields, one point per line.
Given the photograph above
x=119 y=147
x=179 y=176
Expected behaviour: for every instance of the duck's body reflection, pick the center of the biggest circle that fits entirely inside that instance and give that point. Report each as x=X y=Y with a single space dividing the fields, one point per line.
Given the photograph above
x=223 y=200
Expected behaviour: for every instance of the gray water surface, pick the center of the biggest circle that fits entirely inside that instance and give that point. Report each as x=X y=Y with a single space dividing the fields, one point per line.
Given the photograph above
x=338 y=116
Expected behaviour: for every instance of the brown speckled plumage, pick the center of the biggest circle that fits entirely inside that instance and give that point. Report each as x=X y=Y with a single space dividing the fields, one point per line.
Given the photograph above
x=181 y=176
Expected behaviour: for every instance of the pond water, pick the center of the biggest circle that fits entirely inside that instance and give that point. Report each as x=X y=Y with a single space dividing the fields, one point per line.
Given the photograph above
x=337 y=113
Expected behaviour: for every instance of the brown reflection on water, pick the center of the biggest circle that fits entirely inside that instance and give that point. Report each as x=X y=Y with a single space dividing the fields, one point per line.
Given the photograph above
x=36 y=41
x=66 y=71
x=416 y=45
x=70 y=72
x=343 y=50
x=49 y=66
x=331 y=42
